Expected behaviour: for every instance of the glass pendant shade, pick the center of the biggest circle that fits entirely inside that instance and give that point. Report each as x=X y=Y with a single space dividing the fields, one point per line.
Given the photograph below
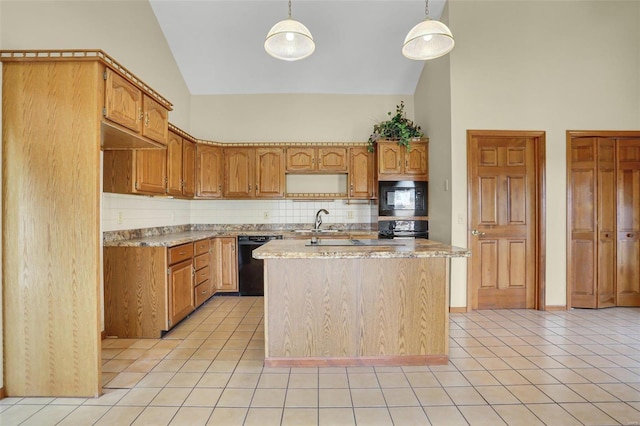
x=428 y=40
x=289 y=40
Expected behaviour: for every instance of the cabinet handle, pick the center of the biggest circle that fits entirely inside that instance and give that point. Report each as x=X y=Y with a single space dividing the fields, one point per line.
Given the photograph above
x=146 y=121
x=249 y=187
x=606 y=235
x=182 y=252
x=629 y=235
x=204 y=291
x=141 y=116
x=313 y=160
x=476 y=232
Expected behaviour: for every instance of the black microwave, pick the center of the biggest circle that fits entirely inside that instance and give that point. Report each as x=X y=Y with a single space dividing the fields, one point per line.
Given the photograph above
x=402 y=198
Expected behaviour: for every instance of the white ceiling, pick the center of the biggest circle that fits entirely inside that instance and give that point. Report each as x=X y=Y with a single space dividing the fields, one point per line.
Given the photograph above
x=219 y=45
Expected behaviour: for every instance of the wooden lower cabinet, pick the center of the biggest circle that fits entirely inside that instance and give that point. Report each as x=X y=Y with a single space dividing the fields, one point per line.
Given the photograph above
x=147 y=290
x=204 y=287
x=225 y=264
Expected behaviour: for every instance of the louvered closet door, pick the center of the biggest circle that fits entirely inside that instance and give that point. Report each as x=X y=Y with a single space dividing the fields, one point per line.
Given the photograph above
x=628 y=203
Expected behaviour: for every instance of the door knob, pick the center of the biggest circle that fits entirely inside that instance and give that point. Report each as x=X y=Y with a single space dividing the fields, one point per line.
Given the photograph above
x=476 y=232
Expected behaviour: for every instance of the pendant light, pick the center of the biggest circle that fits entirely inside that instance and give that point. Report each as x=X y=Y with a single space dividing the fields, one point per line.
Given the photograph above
x=428 y=40
x=289 y=40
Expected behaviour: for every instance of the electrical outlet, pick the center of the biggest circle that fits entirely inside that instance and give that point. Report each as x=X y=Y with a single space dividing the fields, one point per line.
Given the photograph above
x=265 y=215
x=349 y=214
x=119 y=218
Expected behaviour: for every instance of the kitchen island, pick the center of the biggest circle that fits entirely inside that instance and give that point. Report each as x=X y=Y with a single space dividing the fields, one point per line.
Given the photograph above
x=356 y=302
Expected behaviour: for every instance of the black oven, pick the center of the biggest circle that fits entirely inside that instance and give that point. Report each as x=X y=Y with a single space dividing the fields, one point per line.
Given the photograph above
x=402 y=198
x=403 y=229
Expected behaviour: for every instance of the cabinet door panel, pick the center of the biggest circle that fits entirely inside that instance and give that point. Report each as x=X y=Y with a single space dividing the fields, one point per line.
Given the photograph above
x=188 y=168
x=227 y=264
x=389 y=158
x=301 y=159
x=360 y=173
x=174 y=164
x=269 y=173
x=156 y=120
x=181 y=300
x=332 y=159
x=208 y=171
x=416 y=161
x=238 y=172
x=628 y=247
x=123 y=102
x=151 y=171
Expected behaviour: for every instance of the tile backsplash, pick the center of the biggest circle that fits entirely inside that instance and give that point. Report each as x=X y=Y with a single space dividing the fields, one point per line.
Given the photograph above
x=121 y=212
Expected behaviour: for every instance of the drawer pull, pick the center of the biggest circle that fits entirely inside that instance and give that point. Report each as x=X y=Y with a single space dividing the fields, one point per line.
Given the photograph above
x=629 y=235
x=204 y=292
x=182 y=252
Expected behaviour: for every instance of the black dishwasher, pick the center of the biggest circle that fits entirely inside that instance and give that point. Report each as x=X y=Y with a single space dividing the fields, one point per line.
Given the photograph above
x=250 y=270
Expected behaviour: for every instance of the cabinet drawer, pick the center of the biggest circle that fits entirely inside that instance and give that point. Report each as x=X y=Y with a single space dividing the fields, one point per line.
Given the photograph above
x=180 y=253
x=202 y=275
x=202 y=292
x=202 y=246
x=201 y=261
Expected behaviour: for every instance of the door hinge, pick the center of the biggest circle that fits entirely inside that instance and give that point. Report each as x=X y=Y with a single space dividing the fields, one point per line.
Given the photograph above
x=168 y=271
x=104 y=111
x=104 y=74
x=136 y=185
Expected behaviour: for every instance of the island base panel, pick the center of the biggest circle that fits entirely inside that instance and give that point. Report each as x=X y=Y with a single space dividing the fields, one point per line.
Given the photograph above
x=350 y=311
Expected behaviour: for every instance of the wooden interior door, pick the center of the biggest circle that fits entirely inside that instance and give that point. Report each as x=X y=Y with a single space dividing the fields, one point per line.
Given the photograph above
x=504 y=210
x=591 y=221
x=628 y=209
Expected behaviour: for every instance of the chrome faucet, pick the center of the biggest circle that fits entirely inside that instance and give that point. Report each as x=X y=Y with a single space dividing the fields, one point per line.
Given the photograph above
x=319 y=219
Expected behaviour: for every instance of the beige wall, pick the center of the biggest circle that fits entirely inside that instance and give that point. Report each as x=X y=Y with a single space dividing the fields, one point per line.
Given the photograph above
x=291 y=118
x=532 y=65
x=126 y=30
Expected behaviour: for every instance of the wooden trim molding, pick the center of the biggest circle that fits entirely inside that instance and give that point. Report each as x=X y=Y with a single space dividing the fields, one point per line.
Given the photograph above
x=555 y=308
x=458 y=310
x=356 y=362
x=3 y=393
x=82 y=55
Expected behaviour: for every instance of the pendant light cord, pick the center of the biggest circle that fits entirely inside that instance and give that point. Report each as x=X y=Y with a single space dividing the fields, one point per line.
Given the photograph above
x=426 y=8
x=289 y=9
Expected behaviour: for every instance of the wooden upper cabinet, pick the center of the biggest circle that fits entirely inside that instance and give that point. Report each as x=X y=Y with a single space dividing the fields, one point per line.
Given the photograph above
x=123 y=102
x=135 y=171
x=174 y=165
x=310 y=160
x=361 y=182
x=396 y=163
x=188 y=168
x=126 y=105
x=150 y=172
x=332 y=160
x=301 y=159
x=254 y=173
x=209 y=167
x=269 y=173
x=239 y=169
x=156 y=120
x=181 y=160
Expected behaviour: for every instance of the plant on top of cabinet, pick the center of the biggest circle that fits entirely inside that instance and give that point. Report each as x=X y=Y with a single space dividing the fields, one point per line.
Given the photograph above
x=398 y=128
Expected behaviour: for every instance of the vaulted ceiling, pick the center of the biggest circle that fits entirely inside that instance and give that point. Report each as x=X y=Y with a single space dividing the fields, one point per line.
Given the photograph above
x=219 y=45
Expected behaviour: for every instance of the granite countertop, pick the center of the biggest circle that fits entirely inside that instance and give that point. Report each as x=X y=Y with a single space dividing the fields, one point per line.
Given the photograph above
x=327 y=248
x=177 y=238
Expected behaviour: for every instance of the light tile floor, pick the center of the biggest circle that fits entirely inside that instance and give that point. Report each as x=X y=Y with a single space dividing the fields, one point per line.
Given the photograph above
x=514 y=367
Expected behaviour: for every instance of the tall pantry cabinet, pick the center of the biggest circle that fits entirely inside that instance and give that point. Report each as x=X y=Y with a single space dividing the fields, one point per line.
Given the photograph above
x=54 y=125
x=603 y=217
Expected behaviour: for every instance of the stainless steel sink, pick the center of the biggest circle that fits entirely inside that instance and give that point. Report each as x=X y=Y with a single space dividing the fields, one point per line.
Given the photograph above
x=318 y=231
